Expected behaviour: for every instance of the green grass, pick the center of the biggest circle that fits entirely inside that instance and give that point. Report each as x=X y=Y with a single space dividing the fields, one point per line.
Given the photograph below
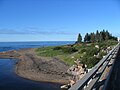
x=84 y=51
x=48 y=52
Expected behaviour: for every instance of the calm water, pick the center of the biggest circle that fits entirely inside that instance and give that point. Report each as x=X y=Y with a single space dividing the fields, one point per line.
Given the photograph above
x=10 y=81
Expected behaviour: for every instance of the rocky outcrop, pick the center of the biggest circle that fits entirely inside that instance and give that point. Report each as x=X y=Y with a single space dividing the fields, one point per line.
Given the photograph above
x=76 y=71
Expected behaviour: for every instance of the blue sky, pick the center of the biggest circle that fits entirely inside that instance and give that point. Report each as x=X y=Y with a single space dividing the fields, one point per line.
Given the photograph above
x=56 y=20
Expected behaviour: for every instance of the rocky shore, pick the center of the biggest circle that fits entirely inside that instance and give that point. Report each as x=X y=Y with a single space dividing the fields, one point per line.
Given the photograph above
x=33 y=67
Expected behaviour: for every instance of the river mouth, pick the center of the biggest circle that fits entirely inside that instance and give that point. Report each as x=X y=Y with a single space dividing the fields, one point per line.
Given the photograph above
x=8 y=78
x=10 y=81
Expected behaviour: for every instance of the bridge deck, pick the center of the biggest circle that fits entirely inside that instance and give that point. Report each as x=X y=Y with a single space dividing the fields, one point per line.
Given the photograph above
x=114 y=83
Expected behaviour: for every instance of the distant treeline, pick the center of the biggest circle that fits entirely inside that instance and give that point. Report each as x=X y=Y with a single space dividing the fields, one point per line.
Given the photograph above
x=96 y=37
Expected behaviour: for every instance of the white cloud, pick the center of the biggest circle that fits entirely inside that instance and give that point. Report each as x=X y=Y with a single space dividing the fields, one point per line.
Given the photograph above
x=33 y=30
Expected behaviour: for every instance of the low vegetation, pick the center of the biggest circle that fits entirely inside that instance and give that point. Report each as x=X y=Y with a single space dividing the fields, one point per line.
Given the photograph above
x=88 y=53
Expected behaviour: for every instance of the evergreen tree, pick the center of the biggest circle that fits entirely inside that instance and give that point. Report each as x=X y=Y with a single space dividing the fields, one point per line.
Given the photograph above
x=101 y=36
x=114 y=38
x=87 y=38
x=92 y=39
x=79 y=39
x=97 y=36
x=107 y=35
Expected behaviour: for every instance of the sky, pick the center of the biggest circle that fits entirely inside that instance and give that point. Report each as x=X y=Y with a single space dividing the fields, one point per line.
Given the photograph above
x=56 y=20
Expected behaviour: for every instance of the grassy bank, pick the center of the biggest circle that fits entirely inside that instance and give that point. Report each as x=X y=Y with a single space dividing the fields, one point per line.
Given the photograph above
x=88 y=53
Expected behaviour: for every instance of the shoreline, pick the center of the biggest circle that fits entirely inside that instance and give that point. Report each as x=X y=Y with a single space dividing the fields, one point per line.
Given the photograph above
x=35 y=68
x=37 y=80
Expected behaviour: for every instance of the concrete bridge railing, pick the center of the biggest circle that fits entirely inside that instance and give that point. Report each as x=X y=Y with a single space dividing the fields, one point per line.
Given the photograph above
x=98 y=77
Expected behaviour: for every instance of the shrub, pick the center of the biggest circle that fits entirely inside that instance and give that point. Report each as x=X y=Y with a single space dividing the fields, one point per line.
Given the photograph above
x=102 y=54
x=90 y=61
x=69 y=49
x=92 y=51
x=57 y=48
x=83 y=50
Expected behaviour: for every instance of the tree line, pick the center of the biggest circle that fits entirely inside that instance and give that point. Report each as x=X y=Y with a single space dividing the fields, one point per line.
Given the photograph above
x=96 y=37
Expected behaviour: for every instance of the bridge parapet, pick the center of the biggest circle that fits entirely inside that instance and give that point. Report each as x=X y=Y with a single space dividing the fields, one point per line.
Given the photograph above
x=98 y=77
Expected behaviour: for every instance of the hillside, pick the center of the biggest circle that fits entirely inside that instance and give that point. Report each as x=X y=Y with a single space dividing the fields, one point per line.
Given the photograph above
x=87 y=53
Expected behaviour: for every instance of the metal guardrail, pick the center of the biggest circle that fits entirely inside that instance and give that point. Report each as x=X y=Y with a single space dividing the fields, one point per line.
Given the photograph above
x=88 y=82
